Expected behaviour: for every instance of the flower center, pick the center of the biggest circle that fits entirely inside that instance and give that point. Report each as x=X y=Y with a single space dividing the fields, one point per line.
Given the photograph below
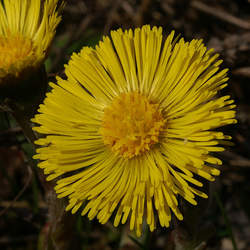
x=131 y=124
x=16 y=52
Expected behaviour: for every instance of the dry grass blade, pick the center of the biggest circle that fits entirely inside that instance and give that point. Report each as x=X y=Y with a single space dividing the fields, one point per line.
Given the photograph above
x=28 y=181
x=223 y=15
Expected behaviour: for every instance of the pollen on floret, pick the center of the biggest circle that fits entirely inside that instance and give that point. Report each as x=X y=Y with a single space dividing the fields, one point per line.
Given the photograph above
x=16 y=51
x=132 y=124
x=26 y=32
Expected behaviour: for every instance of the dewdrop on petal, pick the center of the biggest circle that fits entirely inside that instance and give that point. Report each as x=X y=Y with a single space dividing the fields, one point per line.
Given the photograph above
x=133 y=125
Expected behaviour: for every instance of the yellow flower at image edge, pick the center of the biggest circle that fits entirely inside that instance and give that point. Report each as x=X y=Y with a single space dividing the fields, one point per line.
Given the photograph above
x=133 y=125
x=27 y=28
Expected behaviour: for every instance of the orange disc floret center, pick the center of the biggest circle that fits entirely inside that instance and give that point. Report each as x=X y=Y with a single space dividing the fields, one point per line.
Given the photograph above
x=131 y=124
x=15 y=51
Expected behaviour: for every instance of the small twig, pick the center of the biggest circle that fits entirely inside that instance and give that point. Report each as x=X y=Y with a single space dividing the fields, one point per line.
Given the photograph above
x=6 y=240
x=29 y=178
x=240 y=163
x=244 y=71
x=223 y=15
x=142 y=10
x=74 y=34
x=128 y=9
x=235 y=159
x=82 y=27
x=10 y=131
x=111 y=16
x=21 y=204
x=202 y=246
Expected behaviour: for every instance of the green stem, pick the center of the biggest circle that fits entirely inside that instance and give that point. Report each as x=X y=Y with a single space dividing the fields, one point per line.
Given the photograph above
x=226 y=219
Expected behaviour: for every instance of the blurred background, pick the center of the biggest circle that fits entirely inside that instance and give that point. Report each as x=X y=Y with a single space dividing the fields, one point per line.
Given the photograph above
x=222 y=221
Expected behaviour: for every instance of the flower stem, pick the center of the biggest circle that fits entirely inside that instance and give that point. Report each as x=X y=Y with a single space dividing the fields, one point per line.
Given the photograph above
x=59 y=228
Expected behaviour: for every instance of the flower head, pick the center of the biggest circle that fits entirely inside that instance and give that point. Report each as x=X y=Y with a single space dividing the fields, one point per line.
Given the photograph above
x=133 y=125
x=27 y=28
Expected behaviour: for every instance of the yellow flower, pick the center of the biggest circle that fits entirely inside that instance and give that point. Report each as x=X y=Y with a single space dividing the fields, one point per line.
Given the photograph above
x=133 y=126
x=27 y=28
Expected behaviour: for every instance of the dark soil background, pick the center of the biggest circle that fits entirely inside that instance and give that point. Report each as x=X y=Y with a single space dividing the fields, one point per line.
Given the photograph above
x=222 y=221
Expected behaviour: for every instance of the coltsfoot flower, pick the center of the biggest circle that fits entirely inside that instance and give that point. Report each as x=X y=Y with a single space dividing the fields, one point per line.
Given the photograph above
x=27 y=28
x=132 y=127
